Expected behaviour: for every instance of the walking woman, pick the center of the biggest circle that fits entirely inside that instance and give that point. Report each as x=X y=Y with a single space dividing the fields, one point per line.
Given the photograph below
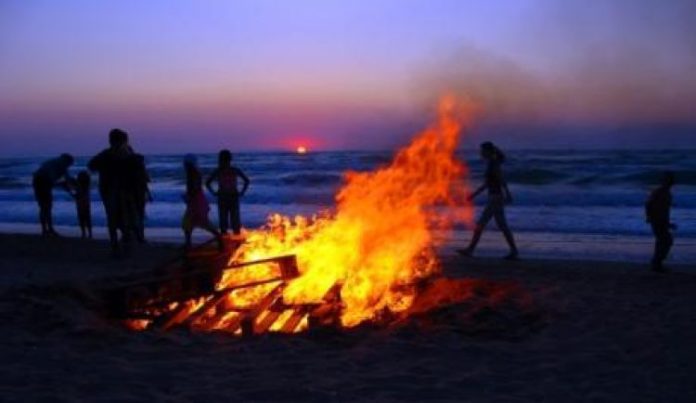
x=498 y=196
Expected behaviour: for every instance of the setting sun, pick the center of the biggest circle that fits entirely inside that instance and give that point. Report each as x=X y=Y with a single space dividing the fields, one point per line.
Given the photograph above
x=301 y=150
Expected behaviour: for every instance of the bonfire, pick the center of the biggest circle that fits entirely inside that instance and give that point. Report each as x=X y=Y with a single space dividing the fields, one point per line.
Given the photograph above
x=370 y=258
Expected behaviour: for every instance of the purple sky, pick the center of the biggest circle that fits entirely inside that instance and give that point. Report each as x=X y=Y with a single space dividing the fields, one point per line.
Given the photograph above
x=253 y=75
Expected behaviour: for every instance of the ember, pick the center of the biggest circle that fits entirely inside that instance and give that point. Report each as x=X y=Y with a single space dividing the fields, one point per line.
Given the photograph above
x=339 y=268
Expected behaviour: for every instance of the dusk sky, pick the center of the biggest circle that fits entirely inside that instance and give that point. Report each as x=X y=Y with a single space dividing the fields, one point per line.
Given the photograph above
x=269 y=75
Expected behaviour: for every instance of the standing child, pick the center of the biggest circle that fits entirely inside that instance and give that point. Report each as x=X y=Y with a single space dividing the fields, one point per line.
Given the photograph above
x=227 y=193
x=196 y=215
x=83 y=203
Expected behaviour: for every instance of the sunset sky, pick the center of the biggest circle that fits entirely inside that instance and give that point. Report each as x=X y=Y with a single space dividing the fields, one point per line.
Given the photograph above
x=269 y=75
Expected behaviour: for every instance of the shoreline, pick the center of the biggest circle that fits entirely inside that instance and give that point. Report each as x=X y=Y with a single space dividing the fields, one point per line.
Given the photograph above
x=532 y=245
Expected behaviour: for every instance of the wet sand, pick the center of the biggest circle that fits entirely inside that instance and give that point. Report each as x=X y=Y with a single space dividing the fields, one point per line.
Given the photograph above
x=603 y=331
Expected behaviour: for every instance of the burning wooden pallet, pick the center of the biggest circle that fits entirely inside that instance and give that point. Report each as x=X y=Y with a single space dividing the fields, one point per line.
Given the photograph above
x=199 y=291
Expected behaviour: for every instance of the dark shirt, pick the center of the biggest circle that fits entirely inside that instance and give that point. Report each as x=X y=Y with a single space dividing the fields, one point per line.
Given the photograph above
x=118 y=171
x=105 y=163
x=52 y=170
x=658 y=206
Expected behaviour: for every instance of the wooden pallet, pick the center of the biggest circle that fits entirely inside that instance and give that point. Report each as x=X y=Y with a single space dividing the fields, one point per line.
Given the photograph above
x=187 y=292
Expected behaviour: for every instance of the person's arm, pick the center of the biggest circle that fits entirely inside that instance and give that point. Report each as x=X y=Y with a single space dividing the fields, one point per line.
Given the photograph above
x=246 y=181
x=477 y=191
x=209 y=182
x=68 y=183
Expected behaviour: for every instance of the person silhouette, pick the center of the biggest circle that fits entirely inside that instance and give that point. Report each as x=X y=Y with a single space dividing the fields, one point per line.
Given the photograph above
x=81 y=194
x=142 y=194
x=116 y=166
x=498 y=196
x=227 y=192
x=44 y=179
x=197 y=207
x=657 y=214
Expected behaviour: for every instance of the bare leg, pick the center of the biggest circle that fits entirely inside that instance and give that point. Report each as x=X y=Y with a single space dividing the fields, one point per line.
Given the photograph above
x=43 y=221
x=211 y=228
x=187 y=236
x=502 y=224
x=478 y=231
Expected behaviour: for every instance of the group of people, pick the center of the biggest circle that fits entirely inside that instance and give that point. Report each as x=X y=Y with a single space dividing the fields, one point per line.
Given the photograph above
x=123 y=187
x=124 y=191
x=657 y=209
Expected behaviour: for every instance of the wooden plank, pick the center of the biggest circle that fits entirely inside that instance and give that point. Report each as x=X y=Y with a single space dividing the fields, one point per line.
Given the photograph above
x=264 y=304
x=177 y=316
x=210 y=304
x=297 y=314
x=274 y=311
x=251 y=315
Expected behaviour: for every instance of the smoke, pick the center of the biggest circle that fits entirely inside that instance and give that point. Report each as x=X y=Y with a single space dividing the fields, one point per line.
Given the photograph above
x=611 y=64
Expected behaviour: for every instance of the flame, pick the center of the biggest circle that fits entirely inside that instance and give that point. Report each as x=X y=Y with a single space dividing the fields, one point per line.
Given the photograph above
x=379 y=239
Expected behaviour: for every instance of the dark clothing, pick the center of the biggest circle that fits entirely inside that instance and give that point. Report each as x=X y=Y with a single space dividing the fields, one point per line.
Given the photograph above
x=494 y=178
x=118 y=172
x=658 y=206
x=53 y=169
x=657 y=210
x=106 y=164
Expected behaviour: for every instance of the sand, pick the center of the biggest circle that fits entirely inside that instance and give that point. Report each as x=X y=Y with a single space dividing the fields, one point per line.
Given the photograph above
x=598 y=331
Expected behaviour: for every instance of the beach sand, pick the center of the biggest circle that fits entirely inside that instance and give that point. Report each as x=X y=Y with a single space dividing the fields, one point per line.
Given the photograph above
x=587 y=331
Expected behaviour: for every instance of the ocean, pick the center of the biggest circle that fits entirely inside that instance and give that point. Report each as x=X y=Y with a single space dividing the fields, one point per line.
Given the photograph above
x=556 y=192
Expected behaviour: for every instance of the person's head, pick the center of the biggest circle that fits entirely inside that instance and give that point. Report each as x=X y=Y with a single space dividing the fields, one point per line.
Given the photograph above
x=668 y=179
x=118 y=138
x=83 y=179
x=190 y=161
x=67 y=159
x=224 y=158
x=491 y=153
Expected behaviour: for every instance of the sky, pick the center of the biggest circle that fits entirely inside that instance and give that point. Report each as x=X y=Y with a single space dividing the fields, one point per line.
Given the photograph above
x=198 y=76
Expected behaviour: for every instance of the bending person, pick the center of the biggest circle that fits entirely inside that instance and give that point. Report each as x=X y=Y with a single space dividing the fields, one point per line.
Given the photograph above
x=498 y=196
x=44 y=179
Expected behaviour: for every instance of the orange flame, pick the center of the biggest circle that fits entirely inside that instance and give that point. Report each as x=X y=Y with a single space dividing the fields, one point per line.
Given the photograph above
x=379 y=239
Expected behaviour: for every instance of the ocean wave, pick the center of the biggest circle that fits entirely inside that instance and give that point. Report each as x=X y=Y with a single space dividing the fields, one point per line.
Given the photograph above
x=310 y=179
x=535 y=176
